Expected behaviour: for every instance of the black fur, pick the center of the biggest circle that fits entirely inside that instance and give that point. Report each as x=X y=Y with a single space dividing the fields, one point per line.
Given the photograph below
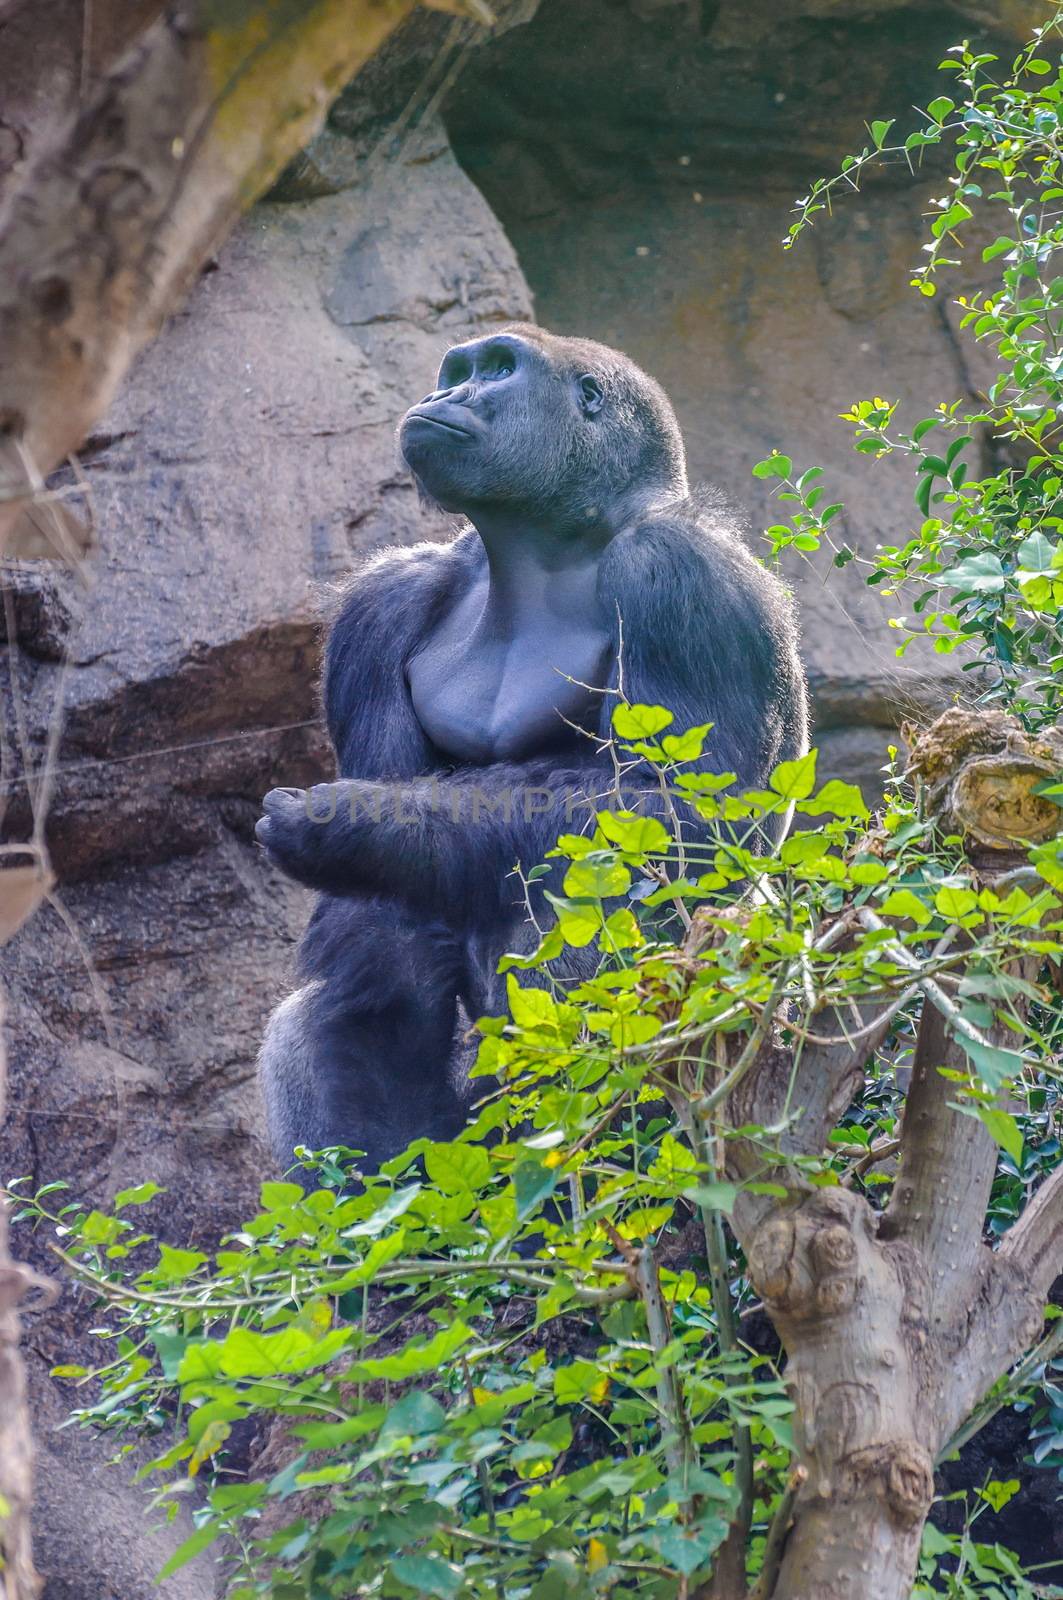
x=418 y=897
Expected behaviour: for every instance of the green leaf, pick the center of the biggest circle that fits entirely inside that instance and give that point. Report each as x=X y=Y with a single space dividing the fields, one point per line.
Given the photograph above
x=903 y=903
x=243 y=1353
x=639 y=721
x=981 y=574
x=879 y=130
x=530 y=1007
x=622 y=931
x=1004 y=1130
x=685 y=746
x=992 y=1064
x=935 y=1543
x=279 y=1196
x=939 y=109
x=98 y=1228
x=868 y=871
x=138 y=1196
x=955 y=903
x=415 y=1414
x=837 y=799
x=687 y=1548
x=643 y=836
x=320 y=1477
x=457 y=1168
x=795 y=780
x=577 y=923
x=997 y=248
x=177 y=1265
x=1038 y=554
x=416 y=1358
x=597 y=880
x=532 y=1184
x=774 y=466
x=715 y=1196
x=428 y=1574
x=391 y=1206
x=192 y=1547
x=578 y=1381
x=800 y=848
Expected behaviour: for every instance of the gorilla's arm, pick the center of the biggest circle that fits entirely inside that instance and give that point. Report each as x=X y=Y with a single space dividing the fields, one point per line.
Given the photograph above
x=701 y=629
x=709 y=633
x=448 y=845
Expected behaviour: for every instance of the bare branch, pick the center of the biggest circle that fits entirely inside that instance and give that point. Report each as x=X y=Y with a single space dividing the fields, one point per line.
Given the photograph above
x=1035 y=1243
x=803 y=1094
x=946 y=1171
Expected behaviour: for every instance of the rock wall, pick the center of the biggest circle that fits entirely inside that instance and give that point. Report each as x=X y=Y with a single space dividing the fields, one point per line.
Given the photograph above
x=635 y=161
x=644 y=159
x=249 y=459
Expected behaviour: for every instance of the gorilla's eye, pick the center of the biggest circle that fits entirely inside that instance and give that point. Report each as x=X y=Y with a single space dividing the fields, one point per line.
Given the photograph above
x=503 y=367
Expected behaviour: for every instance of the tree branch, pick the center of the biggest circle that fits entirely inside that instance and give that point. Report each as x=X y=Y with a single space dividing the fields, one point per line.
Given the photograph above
x=1034 y=1244
x=110 y=225
x=803 y=1094
x=947 y=1163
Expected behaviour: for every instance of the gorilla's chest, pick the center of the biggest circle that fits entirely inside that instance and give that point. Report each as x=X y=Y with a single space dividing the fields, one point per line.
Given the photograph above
x=484 y=694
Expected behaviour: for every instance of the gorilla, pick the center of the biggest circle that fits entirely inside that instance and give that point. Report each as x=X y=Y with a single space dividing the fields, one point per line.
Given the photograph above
x=468 y=691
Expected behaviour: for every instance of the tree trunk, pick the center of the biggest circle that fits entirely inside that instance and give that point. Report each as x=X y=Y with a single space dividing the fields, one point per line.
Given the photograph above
x=896 y=1324
x=18 y=1576
x=852 y=1314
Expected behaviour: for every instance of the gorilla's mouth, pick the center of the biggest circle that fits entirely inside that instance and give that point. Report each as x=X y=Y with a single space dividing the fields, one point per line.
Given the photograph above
x=436 y=422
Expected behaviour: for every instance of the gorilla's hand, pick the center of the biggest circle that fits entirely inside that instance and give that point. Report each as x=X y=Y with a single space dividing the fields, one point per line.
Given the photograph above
x=312 y=834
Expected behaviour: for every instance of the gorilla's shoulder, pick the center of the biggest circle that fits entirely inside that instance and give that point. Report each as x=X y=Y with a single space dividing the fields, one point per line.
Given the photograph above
x=403 y=580
x=693 y=551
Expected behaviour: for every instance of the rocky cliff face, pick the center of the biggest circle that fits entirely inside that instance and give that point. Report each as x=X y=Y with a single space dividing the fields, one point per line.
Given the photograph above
x=633 y=162
x=644 y=160
x=250 y=457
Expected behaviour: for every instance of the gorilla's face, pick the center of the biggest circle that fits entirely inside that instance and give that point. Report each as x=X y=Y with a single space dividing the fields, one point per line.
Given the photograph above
x=498 y=428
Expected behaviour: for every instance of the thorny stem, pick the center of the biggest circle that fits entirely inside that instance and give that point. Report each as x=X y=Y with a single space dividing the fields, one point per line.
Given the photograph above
x=516 y=1272
x=733 y=1553
x=933 y=991
x=780 y=1527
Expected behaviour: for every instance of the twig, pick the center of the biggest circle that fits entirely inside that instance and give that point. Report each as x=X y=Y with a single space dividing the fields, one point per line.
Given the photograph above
x=749 y=1055
x=733 y=1552
x=933 y=991
x=677 y=1446
x=780 y=1527
x=880 y=1151
x=394 y=1273
x=484 y=1478
x=1049 y=1347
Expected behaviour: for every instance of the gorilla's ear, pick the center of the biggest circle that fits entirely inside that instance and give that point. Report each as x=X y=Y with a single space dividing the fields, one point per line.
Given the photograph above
x=591 y=394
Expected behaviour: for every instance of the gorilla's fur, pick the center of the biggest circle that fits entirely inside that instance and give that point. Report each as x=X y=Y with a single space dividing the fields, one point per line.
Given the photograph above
x=570 y=445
